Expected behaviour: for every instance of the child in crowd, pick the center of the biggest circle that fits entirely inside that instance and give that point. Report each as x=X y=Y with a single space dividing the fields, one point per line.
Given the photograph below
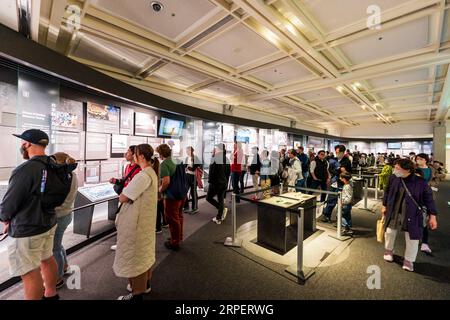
x=347 y=199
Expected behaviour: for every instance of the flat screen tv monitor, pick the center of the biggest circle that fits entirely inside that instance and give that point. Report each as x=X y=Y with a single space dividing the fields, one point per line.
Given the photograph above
x=394 y=145
x=170 y=127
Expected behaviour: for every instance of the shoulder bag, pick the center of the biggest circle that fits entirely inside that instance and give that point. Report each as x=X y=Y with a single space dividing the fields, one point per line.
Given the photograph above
x=120 y=183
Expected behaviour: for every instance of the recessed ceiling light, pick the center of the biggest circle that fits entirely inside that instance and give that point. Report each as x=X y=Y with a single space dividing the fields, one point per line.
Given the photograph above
x=396 y=80
x=380 y=38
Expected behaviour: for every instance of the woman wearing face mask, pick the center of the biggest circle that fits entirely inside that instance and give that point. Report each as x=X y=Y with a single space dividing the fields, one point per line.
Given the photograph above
x=430 y=175
x=404 y=193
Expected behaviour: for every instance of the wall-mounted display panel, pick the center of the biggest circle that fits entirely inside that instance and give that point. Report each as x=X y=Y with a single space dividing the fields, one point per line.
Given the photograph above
x=119 y=144
x=145 y=124
x=126 y=120
x=394 y=145
x=98 y=146
x=102 y=119
x=67 y=116
x=9 y=142
x=92 y=172
x=228 y=133
x=135 y=141
x=108 y=170
x=71 y=143
x=170 y=128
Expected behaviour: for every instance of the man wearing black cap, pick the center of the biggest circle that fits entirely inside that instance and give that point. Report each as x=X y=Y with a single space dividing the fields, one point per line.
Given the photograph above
x=31 y=226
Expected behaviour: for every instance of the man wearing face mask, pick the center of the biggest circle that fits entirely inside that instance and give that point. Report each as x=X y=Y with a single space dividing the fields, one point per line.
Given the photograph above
x=406 y=194
x=28 y=223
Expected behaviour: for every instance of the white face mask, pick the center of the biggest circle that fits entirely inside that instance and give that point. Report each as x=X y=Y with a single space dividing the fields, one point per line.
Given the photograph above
x=398 y=173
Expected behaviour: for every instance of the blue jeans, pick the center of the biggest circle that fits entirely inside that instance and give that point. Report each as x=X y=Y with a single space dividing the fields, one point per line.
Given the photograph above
x=331 y=203
x=58 y=250
x=347 y=215
x=300 y=183
x=315 y=184
x=305 y=179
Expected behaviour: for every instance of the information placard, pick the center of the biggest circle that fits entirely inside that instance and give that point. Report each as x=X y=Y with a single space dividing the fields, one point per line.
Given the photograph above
x=120 y=144
x=71 y=143
x=67 y=115
x=98 y=192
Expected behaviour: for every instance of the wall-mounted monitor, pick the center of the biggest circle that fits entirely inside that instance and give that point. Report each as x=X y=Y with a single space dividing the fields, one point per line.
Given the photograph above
x=145 y=124
x=102 y=119
x=170 y=127
x=243 y=135
x=394 y=145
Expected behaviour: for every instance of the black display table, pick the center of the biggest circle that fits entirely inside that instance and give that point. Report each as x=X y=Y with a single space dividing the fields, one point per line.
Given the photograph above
x=277 y=220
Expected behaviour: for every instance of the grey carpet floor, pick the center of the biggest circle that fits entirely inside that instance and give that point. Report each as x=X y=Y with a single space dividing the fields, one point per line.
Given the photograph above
x=205 y=269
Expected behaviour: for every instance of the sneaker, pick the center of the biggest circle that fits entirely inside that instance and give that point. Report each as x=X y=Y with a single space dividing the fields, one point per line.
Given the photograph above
x=168 y=245
x=388 y=256
x=165 y=226
x=195 y=211
x=159 y=231
x=425 y=248
x=60 y=284
x=408 y=265
x=347 y=232
x=217 y=221
x=224 y=215
x=325 y=219
x=131 y=297
x=149 y=288
x=114 y=247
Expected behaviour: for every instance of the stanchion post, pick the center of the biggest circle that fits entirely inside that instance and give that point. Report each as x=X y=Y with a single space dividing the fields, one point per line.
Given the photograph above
x=339 y=217
x=233 y=241
x=376 y=187
x=281 y=188
x=366 y=182
x=302 y=273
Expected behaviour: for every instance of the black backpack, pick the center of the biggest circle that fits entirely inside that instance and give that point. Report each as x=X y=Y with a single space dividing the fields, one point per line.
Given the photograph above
x=178 y=187
x=55 y=182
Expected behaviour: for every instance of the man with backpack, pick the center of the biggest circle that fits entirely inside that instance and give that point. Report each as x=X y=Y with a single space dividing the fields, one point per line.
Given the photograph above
x=35 y=188
x=174 y=189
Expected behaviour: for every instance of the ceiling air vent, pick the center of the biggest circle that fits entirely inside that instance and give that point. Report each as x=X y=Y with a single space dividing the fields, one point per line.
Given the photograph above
x=207 y=32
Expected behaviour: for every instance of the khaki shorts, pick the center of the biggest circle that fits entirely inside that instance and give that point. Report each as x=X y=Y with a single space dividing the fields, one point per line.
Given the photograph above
x=25 y=254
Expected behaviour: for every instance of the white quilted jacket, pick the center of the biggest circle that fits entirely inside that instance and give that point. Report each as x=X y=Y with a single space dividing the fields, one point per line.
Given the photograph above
x=136 y=224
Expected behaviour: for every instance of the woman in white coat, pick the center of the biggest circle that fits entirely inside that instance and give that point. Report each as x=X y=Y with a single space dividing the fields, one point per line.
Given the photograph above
x=135 y=224
x=295 y=171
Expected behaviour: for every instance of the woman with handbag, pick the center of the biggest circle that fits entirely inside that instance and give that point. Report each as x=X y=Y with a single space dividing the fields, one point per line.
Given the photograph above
x=407 y=203
x=135 y=225
x=130 y=171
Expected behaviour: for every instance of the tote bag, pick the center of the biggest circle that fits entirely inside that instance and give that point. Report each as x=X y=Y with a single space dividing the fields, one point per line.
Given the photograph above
x=380 y=229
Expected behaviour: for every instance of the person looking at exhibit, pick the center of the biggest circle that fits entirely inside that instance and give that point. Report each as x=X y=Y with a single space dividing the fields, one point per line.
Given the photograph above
x=265 y=174
x=64 y=218
x=305 y=164
x=236 y=167
x=29 y=221
x=160 y=219
x=192 y=162
x=295 y=176
x=173 y=206
x=135 y=223
x=254 y=168
x=407 y=206
x=131 y=170
x=320 y=174
x=218 y=181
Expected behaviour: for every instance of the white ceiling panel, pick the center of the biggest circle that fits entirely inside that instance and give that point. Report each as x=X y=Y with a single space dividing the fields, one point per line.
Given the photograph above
x=287 y=71
x=179 y=75
x=319 y=94
x=237 y=46
x=404 y=38
x=174 y=19
x=403 y=92
x=99 y=50
x=406 y=102
x=224 y=90
x=8 y=14
x=328 y=103
x=334 y=14
x=400 y=78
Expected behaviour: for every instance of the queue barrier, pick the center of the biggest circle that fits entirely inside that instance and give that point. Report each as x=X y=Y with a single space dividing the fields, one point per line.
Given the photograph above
x=366 y=187
x=299 y=270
